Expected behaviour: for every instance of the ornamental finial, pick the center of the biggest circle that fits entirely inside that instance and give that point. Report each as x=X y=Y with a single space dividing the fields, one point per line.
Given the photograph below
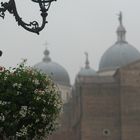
x=87 y=61
x=46 y=53
x=121 y=30
x=120 y=18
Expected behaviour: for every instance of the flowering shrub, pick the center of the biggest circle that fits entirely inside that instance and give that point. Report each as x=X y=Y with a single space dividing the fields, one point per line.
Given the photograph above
x=29 y=103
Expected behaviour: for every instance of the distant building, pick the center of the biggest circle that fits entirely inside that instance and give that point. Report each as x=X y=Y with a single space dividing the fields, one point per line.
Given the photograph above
x=102 y=105
x=61 y=78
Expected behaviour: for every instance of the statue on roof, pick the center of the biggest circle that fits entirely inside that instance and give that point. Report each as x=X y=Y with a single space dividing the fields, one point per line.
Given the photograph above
x=87 y=61
x=120 y=18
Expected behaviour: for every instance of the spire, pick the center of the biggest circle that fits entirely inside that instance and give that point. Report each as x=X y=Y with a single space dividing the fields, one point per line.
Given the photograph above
x=121 y=30
x=87 y=61
x=46 y=53
x=120 y=18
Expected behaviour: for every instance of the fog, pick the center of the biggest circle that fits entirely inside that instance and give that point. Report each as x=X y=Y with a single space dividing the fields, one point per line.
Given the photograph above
x=74 y=26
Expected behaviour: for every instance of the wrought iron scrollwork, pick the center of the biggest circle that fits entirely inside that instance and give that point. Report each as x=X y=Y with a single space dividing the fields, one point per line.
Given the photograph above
x=32 y=26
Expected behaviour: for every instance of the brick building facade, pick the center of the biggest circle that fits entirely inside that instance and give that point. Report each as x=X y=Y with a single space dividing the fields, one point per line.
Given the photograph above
x=105 y=105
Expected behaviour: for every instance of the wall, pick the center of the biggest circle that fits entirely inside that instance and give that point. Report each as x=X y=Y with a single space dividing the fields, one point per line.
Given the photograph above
x=100 y=100
x=130 y=101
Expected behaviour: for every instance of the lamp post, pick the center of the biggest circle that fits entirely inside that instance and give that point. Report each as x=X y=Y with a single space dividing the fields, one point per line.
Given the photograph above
x=32 y=26
x=0 y=53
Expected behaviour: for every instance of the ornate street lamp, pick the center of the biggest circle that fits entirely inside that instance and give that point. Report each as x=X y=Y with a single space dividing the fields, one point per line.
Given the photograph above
x=0 y=53
x=32 y=26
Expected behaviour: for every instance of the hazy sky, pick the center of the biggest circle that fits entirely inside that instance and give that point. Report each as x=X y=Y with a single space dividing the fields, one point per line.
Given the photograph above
x=75 y=26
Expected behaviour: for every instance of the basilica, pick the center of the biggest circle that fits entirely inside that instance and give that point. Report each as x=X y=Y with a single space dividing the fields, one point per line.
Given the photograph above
x=103 y=104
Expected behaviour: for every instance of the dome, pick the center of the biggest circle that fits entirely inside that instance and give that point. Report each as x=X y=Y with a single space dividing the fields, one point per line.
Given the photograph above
x=120 y=54
x=53 y=69
x=87 y=71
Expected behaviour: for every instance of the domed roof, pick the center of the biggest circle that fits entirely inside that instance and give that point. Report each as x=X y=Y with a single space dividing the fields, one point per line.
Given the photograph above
x=53 y=69
x=87 y=71
x=120 y=54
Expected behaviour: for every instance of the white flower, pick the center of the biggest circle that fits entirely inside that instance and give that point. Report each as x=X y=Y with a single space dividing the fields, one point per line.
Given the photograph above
x=4 y=102
x=43 y=116
x=17 y=85
x=5 y=78
x=40 y=92
x=38 y=98
x=2 y=118
x=37 y=120
x=40 y=130
x=22 y=132
x=36 y=91
x=36 y=82
x=23 y=111
x=18 y=92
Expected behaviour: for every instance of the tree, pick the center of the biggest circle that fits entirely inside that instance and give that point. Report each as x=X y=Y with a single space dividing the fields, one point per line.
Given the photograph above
x=30 y=103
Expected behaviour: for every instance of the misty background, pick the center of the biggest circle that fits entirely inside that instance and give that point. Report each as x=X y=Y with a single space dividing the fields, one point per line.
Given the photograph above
x=74 y=26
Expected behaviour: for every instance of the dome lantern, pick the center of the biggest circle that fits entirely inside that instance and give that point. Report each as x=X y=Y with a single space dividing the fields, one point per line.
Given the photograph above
x=121 y=30
x=86 y=71
x=46 y=58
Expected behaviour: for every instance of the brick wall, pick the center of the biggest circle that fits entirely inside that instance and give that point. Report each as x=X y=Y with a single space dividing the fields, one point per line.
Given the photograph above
x=100 y=110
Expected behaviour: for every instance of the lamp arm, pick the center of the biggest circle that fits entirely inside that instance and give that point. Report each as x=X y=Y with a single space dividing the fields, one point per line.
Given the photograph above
x=32 y=26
